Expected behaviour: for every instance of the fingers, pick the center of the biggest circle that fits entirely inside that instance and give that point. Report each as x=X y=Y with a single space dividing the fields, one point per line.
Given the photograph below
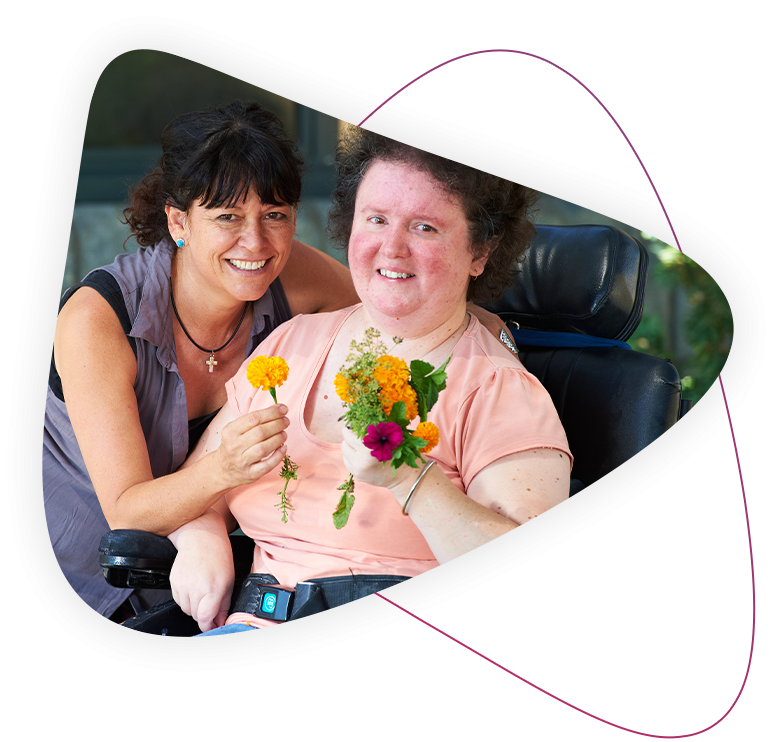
x=250 y=420
x=212 y=611
x=352 y=449
x=209 y=608
x=202 y=576
x=266 y=464
x=350 y=440
x=359 y=461
x=181 y=598
x=258 y=427
x=254 y=444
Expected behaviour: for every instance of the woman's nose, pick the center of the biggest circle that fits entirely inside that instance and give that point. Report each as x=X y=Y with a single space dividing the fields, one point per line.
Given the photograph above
x=395 y=243
x=253 y=236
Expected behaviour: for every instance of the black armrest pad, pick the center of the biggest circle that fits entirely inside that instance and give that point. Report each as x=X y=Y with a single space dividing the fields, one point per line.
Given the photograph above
x=137 y=549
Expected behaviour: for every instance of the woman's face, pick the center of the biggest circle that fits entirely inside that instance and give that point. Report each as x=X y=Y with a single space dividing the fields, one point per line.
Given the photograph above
x=236 y=251
x=409 y=250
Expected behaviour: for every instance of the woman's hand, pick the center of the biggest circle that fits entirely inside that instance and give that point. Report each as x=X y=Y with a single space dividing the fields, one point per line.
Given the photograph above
x=202 y=577
x=251 y=446
x=98 y=372
x=366 y=468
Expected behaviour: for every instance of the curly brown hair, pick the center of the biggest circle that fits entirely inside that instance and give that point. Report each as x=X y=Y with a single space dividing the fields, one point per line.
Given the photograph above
x=215 y=157
x=499 y=213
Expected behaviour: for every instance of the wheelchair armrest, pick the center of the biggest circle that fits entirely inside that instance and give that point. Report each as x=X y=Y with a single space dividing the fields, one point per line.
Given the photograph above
x=138 y=559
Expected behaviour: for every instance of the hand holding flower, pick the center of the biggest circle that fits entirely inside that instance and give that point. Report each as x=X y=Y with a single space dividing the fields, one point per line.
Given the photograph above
x=365 y=467
x=382 y=396
x=267 y=373
x=382 y=439
x=252 y=445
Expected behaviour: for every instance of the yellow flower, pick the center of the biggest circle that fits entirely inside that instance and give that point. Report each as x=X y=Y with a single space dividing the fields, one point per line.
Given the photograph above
x=351 y=384
x=391 y=372
x=341 y=385
x=392 y=376
x=403 y=393
x=429 y=432
x=264 y=373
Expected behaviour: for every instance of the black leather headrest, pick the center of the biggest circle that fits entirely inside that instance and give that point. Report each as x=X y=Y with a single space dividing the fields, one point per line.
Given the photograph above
x=588 y=279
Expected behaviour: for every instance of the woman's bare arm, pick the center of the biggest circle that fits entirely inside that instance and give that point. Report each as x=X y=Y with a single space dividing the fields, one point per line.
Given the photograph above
x=98 y=372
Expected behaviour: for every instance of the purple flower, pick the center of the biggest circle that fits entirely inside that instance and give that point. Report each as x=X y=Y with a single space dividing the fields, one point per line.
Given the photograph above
x=382 y=439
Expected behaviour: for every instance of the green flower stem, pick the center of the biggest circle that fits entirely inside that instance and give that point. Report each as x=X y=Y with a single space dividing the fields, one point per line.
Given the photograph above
x=288 y=473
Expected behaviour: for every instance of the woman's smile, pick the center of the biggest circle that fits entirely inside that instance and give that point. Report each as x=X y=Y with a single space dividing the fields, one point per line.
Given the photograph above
x=238 y=249
x=392 y=274
x=246 y=265
x=410 y=250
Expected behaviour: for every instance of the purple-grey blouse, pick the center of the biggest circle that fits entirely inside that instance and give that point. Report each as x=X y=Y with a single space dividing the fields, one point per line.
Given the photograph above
x=73 y=514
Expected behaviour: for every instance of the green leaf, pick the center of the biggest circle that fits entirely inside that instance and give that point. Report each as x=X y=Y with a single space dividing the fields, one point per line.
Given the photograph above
x=408 y=452
x=347 y=485
x=419 y=369
x=398 y=414
x=421 y=401
x=428 y=383
x=340 y=515
x=439 y=374
x=288 y=472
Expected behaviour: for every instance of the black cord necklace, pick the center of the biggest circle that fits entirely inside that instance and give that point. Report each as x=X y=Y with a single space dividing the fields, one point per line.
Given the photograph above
x=211 y=362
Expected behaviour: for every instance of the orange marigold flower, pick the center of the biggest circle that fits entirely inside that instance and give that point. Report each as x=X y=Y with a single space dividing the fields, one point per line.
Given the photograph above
x=429 y=432
x=405 y=393
x=341 y=385
x=391 y=372
x=265 y=372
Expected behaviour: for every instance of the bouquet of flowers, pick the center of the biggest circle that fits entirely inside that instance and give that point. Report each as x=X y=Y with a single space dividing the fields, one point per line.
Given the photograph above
x=382 y=396
x=268 y=373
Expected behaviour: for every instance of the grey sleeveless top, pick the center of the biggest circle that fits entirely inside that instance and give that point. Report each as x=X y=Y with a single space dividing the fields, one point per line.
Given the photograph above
x=73 y=514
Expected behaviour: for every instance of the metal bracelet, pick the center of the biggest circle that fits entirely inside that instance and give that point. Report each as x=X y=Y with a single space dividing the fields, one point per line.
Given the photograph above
x=415 y=485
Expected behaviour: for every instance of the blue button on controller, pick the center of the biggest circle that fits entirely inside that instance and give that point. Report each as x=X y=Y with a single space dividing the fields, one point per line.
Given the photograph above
x=269 y=602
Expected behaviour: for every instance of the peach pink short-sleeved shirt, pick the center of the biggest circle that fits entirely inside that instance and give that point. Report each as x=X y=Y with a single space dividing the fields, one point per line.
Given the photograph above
x=492 y=407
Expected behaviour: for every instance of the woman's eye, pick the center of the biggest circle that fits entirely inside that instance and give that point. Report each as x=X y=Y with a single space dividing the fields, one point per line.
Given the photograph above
x=425 y=228
x=376 y=220
x=226 y=217
x=276 y=216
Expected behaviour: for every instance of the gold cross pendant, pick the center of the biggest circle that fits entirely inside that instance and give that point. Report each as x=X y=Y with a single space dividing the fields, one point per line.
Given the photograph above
x=211 y=363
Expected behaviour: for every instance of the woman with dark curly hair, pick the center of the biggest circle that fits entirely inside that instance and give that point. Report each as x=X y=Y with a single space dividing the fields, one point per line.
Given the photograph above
x=423 y=234
x=144 y=347
x=498 y=212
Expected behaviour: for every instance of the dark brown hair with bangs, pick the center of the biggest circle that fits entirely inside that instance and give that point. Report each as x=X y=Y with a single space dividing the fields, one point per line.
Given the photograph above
x=214 y=158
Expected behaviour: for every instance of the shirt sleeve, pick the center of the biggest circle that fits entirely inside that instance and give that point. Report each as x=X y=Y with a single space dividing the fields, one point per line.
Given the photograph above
x=508 y=412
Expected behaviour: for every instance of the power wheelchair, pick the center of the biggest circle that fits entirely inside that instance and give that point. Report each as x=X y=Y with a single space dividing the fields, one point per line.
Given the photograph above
x=578 y=298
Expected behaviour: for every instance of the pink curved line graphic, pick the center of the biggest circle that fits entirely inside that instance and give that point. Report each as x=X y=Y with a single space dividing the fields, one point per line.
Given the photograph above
x=725 y=402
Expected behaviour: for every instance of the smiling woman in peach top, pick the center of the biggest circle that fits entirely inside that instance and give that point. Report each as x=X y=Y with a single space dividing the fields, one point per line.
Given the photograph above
x=424 y=236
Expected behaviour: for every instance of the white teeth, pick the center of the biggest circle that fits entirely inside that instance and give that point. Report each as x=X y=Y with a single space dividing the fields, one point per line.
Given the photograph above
x=392 y=274
x=245 y=265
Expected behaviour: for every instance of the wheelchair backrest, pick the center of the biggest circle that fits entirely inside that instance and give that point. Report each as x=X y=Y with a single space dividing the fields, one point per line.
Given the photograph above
x=578 y=297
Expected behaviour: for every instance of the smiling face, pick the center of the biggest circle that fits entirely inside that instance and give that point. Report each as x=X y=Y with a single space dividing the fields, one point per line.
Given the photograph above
x=232 y=253
x=409 y=250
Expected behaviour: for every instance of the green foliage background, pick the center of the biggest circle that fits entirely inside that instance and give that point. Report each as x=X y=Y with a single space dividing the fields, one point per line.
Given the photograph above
x=707 y=325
